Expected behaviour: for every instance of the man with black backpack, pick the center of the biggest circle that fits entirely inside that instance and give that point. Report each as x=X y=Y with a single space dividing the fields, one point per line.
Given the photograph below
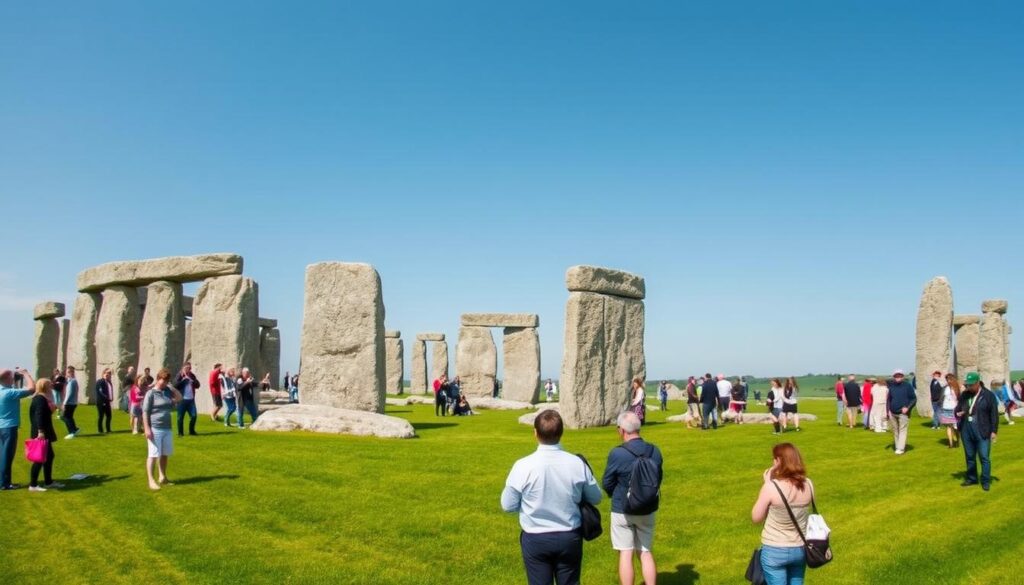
x=633 y=480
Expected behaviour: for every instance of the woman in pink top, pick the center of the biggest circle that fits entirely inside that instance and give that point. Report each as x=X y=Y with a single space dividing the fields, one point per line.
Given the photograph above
x=135 y=395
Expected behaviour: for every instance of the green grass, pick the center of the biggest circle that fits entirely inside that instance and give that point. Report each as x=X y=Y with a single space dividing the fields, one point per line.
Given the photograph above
x=301 y=508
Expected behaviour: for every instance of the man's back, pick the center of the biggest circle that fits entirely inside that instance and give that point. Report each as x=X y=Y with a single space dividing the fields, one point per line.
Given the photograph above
x=546 y=488
x=709 y=392
x=724 y=388
x=620 y=466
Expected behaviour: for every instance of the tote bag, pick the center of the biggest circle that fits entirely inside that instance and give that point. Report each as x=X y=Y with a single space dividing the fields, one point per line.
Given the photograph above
x=35 y=450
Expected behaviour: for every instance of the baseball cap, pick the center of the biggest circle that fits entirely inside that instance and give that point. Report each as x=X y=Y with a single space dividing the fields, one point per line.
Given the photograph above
x=898 y=373
x=972 y=378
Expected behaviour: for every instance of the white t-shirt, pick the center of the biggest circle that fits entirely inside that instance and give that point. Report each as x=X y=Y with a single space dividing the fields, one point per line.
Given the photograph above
x=724 y=388
x=948 y=398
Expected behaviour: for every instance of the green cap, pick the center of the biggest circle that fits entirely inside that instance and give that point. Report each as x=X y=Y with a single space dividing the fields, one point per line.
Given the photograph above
x=972 y=378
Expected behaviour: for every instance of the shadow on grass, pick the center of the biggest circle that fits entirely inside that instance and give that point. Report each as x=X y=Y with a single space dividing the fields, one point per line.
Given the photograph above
x=684 y=575
x=429 y=426
x=92 y=481
x=203 y=479
x=962 y=475
x=945 y=443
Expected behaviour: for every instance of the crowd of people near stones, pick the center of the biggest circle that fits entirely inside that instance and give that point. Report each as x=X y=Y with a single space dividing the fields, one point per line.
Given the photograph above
x=448 y=398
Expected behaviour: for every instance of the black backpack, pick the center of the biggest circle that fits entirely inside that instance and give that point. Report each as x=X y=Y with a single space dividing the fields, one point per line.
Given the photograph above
x=644 y=491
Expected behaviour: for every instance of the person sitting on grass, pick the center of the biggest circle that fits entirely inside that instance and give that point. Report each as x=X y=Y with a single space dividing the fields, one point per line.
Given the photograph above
x=462 y=408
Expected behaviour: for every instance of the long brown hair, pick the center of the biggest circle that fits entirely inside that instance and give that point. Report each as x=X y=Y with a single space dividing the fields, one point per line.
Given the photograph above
x=954 y=384
x=791 y=465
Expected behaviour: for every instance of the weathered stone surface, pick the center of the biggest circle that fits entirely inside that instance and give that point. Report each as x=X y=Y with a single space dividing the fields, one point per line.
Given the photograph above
x=396 y=401
x=528 y=418
x=162 y=335
x=430 y=337
x=994 y=306
x=934 y=337
x=395 y=350
x=418 y=384
x=392 y=334
x=420 y=399
x=500 y=320
x=187 y=353
x=966 y=348
x=604 y=351
x=343 y=355
x=476 y=361
x=490 y=403
x=173 y=268
x=327 y=419
x=439 y=363
x=48 y=310
x=596 y=279
x=675 y=393
x=267 y=323
x=224 y=330
x=270 y=354
x=186 y=305
x=274 y=396
x=961 y=320
x=117 y=334
x=82 y=343
x=991 y=352
x=521 y=351
x=62 y=345
x=47 y=343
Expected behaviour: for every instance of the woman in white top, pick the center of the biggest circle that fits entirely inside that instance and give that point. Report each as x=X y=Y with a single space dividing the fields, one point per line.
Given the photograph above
x=789 y=403
x=637 y=402
x=227 y=392
x=950 y=395
x=879 y=396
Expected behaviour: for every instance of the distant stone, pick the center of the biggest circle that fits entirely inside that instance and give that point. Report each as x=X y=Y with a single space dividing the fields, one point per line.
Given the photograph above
x=396 y=401
x=328 y=419
x=62 y=346
x=268 y=323
x=162 y=335
x=47 y=345
x=961 y=320
x=224 y=330
x=430 y=337
x=394 y=349
x=994 y=306
x=521 y=350
x=476 y=361
x=117 y=333
x=439 y=361
x=966 y=347
x=606 y=281
x=82 y=342
x=674 y=393
x=420 y=399
x=418 y=382
x=934 y=337
x=173 y=268
x=392 y=334
x=270 y=354
x=500 y=320
x=48 y=310
x=488 y=403
x=528 y=418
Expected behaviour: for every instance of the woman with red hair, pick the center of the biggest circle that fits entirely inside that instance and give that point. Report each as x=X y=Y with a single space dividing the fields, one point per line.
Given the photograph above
x=782 y=548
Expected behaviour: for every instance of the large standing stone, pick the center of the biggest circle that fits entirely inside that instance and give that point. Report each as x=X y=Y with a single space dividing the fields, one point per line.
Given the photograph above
x=476 y=361
x=395 y=351
x=418 y=384
x=162 y=336
x=47 y=343
x=225 y=329
x=343 y=356
x=270 y=354
x=521 y=351
x=439 y=364
x=934 y=337
x=993 y=363
x=117 y=334
x=187 y=352
x=174 y=268
x=82 y=342
x=62 y=345
x=604 y=345
x=965 y=349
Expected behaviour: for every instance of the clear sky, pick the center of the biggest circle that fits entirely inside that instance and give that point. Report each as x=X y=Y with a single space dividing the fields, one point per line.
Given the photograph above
x=785 y=175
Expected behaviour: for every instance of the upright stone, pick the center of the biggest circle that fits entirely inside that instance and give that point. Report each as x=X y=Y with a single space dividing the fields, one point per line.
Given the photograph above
x=993 y=335
x=934 y=337
x=47 y=343
x=82 y=342
x=62 y=346
x=965 y=349
x=521 y=351
x=343 y=356
x=270 y=354
x=162 y=336
x=439 y=364
x=117 y=334
x=187 y=351
x=395 y=351
x=476 y=361
x=418 y=384
x=224 y=329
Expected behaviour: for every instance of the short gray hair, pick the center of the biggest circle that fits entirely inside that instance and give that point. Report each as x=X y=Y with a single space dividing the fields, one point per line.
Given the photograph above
x=629 y=422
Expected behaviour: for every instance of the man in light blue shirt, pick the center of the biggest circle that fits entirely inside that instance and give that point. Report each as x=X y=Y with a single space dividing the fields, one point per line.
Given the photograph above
x=10 y=418
x=546 y=488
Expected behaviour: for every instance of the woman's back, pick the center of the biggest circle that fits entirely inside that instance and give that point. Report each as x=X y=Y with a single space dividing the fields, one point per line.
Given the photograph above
x=778 y=526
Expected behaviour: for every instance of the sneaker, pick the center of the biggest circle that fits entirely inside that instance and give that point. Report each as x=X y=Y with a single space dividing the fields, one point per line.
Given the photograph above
x=985 y=486
x=899 y=452
x=36 y=488
x=69 y=436
x=1011 y=423
x=54 y=485
x=10 y=486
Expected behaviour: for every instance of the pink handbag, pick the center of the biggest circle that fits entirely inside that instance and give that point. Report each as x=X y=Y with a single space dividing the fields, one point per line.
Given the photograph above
x=35 y=450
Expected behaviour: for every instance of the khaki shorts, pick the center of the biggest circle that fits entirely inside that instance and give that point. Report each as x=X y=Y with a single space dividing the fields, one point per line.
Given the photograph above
x=632 y=532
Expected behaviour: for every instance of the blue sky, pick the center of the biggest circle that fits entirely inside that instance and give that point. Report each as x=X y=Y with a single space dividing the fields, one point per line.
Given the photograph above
x=786 y=176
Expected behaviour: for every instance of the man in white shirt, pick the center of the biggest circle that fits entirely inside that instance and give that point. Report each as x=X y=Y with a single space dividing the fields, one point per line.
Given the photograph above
x=724 y=392
x=546 y=488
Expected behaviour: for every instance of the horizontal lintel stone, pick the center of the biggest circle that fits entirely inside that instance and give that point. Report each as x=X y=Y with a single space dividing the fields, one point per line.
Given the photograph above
x=172 y=268
x=48 y=310
x=605 y=281
x=430 y=337
x=500 y=320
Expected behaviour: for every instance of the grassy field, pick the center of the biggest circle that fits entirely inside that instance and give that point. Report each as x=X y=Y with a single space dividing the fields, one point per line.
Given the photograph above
x=253 y=507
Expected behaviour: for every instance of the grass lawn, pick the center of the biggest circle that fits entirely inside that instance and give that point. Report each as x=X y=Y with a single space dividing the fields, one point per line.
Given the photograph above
x=301 y=508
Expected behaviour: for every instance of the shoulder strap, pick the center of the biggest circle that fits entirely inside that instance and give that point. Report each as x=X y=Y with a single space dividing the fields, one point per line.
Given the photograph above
x=792 y=516
x=633 y=453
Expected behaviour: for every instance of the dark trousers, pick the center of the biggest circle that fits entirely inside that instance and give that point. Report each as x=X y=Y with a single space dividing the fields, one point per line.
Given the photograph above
x=188 y=406
x=46 y=467
x=552 y=557
x=708 y=413
x=977 y=447
x=250 y=405
x=441 y=405
x=103 y=408
x=8 y=447
x=69 y=418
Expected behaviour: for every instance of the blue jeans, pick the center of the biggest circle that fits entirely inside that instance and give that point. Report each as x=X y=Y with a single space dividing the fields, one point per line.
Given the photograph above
x=8 y=448
x=783 y=565
x=709 y=413
x=187 y=406
x=250 y=406
x=232 y=405
x=936 y=407
x=293 y=394
x=976 y=447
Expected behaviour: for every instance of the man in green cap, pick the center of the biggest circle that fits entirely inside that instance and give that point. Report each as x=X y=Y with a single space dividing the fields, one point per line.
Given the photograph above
x=977 y=415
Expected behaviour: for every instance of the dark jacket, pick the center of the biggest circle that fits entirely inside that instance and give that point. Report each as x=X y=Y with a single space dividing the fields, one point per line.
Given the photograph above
x=246 y=389
x=901 y=395
x=179 y=383
x=709 y=392
x=42 y=418
x=104 y=391
x=936 y=389
x=620 y=467
x=985 y=413
x=852 y=391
